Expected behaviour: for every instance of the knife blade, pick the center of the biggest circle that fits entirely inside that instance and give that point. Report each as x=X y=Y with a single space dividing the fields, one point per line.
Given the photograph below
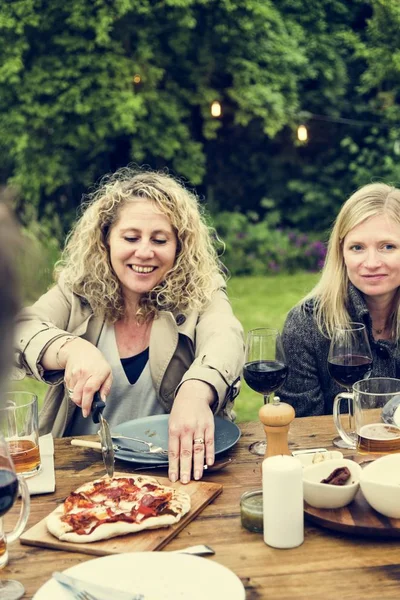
x=101 y=592
x=116 y=447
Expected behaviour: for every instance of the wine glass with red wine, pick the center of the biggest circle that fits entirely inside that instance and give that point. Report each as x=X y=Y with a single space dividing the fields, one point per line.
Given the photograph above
x=265 y=368
x=10 y=482
x=349 y=360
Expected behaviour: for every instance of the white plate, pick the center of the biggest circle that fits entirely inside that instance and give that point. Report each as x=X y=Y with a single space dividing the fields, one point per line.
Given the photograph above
x=157 y=575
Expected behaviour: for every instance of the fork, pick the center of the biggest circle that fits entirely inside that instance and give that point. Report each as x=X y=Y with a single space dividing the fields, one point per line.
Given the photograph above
x=83 y=595
x=153 y=449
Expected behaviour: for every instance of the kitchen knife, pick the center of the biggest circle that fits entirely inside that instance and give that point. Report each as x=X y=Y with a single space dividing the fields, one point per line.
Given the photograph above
x=116 y=447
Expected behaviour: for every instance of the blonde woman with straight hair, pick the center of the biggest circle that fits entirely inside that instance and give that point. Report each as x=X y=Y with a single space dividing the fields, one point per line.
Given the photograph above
x=360 y=282
x=139 y=313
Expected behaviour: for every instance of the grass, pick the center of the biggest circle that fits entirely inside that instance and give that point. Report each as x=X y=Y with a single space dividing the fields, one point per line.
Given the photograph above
x=257 y=302
x=264 y=302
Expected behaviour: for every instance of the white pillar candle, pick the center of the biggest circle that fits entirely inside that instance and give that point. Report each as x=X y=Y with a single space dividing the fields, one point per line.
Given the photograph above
x=283 y=501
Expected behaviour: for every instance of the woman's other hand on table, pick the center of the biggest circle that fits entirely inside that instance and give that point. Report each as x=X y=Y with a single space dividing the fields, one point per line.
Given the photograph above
x=191 y=431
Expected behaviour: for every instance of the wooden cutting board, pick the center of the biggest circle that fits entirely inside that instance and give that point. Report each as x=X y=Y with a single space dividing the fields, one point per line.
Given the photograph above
x=201 y=493
x=357 y=518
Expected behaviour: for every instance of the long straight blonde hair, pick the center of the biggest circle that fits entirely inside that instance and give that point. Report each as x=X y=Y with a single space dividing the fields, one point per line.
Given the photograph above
x=330 y=293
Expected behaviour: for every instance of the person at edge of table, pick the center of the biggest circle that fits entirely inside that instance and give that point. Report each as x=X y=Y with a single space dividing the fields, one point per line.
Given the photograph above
x=360 y=282
x=10 y=244
x=139 y=312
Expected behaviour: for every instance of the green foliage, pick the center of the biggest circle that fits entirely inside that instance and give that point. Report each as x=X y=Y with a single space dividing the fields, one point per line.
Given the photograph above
x=254 y=247
x=39 y=252
x=70 y=109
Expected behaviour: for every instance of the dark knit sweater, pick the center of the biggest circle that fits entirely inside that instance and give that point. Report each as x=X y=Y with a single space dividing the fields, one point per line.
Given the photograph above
x=309 y=388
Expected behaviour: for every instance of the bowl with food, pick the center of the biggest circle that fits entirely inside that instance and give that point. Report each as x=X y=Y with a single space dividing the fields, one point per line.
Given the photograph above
x=332 y=483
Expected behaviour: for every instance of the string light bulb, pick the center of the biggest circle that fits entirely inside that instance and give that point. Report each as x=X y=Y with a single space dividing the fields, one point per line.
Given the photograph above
x=302 y=133
x=137 y=78
x=216 y=109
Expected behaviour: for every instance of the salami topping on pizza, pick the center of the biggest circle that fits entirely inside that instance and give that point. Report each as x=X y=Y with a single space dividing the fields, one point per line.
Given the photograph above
x=107 y=508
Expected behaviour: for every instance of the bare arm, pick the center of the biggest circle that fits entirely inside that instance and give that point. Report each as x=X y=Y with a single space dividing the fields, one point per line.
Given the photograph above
x=204 y=389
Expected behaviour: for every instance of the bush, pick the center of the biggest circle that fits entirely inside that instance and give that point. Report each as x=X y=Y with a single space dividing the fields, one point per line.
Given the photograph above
x=254 y=247
x=40 y=251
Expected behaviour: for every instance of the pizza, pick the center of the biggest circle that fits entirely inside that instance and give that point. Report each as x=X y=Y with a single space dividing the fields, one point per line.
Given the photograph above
x=106 y=508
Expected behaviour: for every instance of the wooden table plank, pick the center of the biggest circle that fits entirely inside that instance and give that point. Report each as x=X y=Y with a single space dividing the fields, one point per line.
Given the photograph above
x=329 y=565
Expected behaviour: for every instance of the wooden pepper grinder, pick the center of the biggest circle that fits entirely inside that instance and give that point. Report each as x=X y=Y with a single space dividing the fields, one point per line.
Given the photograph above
x=276 y=417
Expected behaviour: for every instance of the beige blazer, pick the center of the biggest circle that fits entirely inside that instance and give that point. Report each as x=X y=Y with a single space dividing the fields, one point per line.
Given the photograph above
x=207 y=346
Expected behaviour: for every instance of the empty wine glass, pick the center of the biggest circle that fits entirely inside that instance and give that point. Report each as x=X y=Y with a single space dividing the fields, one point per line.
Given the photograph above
x=9 y=484
x=349 y=360
x=265 y=368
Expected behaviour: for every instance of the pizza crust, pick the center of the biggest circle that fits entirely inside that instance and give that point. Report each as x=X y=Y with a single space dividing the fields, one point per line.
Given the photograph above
x=179 y=504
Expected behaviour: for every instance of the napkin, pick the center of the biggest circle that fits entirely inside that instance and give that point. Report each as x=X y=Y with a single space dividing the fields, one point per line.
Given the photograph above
x=44 y=482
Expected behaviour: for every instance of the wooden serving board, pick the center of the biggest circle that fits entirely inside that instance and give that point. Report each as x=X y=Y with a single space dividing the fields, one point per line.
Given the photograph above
x=357 y=518
x=201 y=493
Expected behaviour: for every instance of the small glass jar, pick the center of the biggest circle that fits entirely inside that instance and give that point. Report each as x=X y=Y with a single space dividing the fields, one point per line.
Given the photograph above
x=251 y=511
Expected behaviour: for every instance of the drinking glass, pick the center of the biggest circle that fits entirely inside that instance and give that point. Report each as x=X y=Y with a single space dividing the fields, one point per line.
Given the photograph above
x=376 y=407
x=9 y=484
x=19 y=425
x=265 y=368
x=349 y=360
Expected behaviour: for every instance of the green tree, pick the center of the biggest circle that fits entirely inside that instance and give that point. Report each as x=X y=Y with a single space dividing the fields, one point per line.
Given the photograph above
x=89 y=85
x=72 y=106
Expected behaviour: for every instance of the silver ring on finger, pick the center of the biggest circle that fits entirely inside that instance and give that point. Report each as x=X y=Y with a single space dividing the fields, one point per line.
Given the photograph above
x=198 y=440
x=70 y=392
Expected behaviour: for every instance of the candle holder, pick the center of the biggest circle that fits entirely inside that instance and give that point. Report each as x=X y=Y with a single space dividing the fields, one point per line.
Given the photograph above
x=251 y=511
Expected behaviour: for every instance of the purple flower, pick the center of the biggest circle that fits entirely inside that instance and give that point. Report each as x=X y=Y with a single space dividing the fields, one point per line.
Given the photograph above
x=273 y=266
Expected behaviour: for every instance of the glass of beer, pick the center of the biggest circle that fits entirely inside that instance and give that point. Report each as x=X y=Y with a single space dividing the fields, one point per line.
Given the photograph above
x=10 y=482
x=20 y=428
x=376 y=406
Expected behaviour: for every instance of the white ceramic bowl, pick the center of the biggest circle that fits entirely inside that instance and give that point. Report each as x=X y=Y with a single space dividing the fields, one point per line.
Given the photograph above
x=380 y=484
x=315 y=458
x=325 y=495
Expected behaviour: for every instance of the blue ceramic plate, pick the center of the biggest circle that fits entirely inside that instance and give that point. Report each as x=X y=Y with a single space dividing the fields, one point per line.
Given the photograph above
x=155 y=429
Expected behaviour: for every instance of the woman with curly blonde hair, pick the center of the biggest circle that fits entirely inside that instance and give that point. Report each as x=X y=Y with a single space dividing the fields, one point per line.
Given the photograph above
x=140 y=314
x=360 y=282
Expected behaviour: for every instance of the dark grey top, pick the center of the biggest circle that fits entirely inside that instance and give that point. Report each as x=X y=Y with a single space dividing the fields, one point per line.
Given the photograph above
x=309 y=388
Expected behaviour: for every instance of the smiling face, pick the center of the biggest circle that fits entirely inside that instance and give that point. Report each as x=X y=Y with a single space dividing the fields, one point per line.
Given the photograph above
x=371 y=253
x=143 y=247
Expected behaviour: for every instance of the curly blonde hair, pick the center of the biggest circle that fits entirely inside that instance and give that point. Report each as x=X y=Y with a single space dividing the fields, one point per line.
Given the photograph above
x=330 y=293
x=85 y=262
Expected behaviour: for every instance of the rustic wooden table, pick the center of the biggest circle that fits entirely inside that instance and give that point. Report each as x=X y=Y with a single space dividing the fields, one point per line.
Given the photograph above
x=328 y=565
